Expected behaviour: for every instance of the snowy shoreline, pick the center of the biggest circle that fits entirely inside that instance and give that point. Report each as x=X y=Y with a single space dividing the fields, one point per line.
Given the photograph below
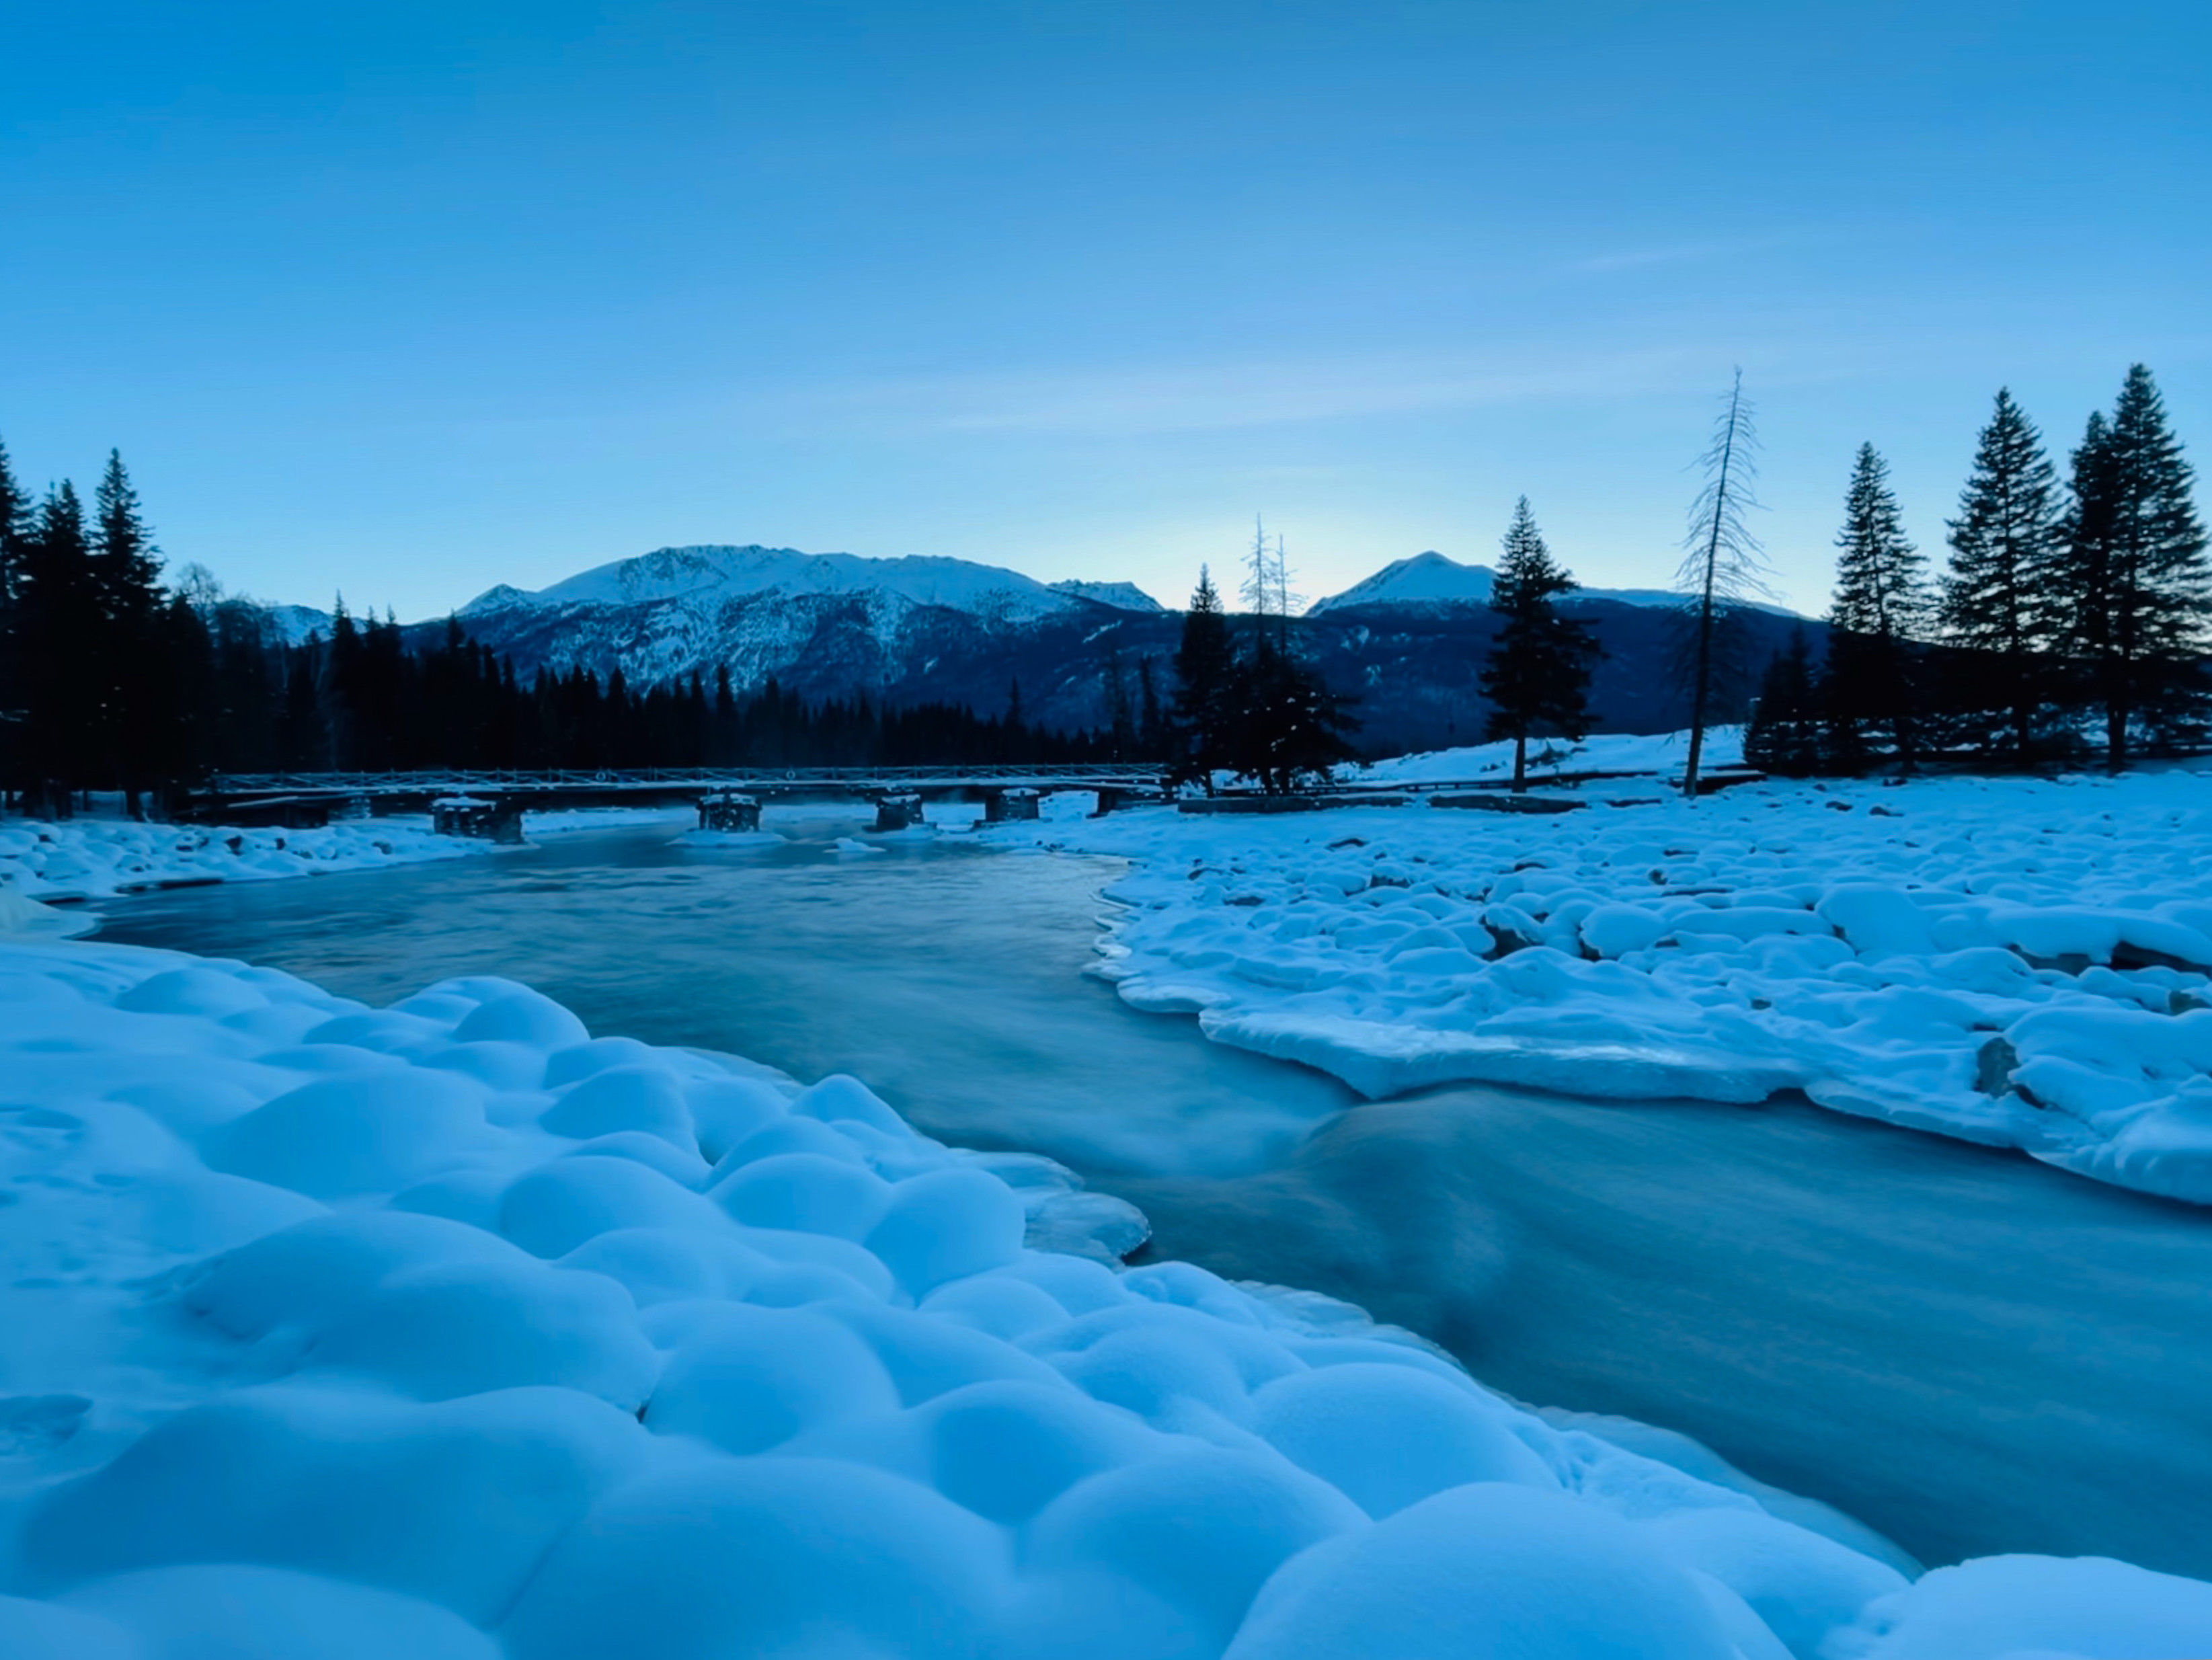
x=81 y=858
x=449 y=1329
x=2020 y=963
x=103 y=858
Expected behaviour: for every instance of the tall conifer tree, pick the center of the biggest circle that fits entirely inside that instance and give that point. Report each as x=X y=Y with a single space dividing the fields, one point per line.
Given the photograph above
x=1784 y=736
x=137 y=729
x=60 y=624
x=1538 y=673
x=1999 y=599
x=14 y=529
x=15 y=532
x=1879 y=613
x=1206 y=673
x=2135 y=578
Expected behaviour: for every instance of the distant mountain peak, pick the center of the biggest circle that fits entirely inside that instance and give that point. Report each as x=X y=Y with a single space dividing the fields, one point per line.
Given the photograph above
x=1426 y=579
x=496 y=597
x=1430 y=580
x=1122 y=596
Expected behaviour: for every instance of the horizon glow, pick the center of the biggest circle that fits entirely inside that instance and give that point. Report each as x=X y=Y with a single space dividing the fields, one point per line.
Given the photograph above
x=410 y=300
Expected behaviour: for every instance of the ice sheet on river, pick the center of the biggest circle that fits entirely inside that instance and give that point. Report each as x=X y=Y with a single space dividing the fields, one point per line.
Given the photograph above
x=448 y=1330
x=2015 y=962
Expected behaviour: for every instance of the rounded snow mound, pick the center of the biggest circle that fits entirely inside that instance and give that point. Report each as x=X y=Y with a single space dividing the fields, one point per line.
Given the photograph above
x=449 y=1330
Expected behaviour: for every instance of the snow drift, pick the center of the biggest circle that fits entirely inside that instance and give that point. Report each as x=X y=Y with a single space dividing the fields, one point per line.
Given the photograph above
x=2020 y=963
x=449 y=1330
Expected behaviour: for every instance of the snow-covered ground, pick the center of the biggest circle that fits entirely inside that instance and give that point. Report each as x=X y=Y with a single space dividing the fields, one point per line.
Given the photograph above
x=101 y=857
x=447 y=1330
x=2020 y=963
x=1659 y=754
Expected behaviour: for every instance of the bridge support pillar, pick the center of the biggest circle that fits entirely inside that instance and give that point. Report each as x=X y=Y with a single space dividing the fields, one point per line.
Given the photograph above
x=1110 y=798
x=478 y=819
x=728 y=810
x=897 y=812
x=1009 y=806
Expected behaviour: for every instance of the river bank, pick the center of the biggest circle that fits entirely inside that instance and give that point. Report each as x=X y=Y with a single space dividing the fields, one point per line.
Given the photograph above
x=454 y=1329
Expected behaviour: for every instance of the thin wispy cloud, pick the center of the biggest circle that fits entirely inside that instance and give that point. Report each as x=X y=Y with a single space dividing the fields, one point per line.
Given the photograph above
x=1141 y=401
x=1695 y=253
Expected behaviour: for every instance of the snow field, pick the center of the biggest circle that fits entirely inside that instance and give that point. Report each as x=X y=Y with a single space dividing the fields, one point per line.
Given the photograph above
x=2019 y=962
x=448 y=1330
x=1658 y=754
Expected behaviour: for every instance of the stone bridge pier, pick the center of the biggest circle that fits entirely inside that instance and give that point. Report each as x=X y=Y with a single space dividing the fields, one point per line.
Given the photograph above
x=900 y=810
x=1009 y=806
x=729 y=810
x=479 y=819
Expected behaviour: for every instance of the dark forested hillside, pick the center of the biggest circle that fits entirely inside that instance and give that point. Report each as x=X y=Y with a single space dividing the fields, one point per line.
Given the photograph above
x=1414 y=668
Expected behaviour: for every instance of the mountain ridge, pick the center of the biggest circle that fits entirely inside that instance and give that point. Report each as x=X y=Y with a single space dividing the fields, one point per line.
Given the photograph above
x=1407 y=643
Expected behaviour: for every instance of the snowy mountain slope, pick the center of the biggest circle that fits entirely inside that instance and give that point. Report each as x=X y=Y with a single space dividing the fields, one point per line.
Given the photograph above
x=701 y=575
x=1122 y=596
x=1426 y=579
x=294 y=623
x=1408 y=643
x=1432 y=580
x=846 y=623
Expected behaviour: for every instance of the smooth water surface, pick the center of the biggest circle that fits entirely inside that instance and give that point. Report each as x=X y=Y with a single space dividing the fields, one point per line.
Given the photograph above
x=1967 y=1351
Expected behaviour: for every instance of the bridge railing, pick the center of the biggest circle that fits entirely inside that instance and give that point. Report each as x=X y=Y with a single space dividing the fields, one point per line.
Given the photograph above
x=373 y=783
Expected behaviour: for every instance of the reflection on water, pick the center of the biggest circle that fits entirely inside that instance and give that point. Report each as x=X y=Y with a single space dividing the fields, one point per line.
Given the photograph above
x=1967 y=1351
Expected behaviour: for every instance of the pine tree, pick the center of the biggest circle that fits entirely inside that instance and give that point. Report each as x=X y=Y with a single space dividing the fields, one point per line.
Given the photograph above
x=1999 y=598
x=1205 y=667
x=60 y=622
x=129 y=564
x=1538 y=674
x=139 y=731
x=1121 y=716
x=2135 y=579
x=1151 y=720
x=1879 y=612
x=14 y=530
x=14 y=534
x=1722 y=568
x=1283 y=723
x=1784 y=734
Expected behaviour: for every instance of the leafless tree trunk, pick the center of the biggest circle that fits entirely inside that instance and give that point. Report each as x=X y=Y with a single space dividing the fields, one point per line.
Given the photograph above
x=1725 y=565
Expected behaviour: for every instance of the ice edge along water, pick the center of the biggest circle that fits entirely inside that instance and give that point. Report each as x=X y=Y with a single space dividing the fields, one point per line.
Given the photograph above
x=2020 y=963
x=447 y=1329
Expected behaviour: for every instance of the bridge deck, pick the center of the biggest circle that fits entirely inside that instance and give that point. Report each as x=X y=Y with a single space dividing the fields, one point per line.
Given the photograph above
x=673 y=779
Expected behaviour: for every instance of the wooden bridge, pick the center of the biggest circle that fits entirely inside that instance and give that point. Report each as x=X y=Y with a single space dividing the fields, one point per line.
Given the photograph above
x=298 y=800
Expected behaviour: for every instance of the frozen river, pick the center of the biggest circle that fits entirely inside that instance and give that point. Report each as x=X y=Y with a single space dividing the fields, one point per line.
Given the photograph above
x=1967 y=1351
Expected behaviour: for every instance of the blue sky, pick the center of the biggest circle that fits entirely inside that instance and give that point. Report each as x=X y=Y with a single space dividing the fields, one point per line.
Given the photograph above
x=410 y=299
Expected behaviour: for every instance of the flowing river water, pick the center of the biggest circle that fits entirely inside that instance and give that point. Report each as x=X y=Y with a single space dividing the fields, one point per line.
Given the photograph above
x=1965 y=1350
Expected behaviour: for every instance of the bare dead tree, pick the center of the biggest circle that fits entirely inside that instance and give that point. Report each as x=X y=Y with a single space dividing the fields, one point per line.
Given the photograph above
x=1258 y=590
x=1287 y=598
x=1724 y=566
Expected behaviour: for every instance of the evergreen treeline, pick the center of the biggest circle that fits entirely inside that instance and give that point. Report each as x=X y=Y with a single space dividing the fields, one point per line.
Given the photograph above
x=2070 y=618
x=2070 y=614
x=108 y=681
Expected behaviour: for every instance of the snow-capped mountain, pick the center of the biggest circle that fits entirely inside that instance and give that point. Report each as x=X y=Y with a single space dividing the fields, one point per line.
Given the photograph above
x=293 y=623
x=1409 y=641
x=1122 y=596
x=1432 y=580
x=705 y=577
x=834 y=624
x=1426 y=579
